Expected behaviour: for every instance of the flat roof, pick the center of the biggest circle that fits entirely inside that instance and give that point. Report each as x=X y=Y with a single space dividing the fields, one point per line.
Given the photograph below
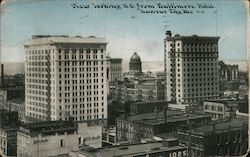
x=154 y=118
x=221 y=125
x=64 y=39
x=136 y=149
x=49 y=127
x=193 y=38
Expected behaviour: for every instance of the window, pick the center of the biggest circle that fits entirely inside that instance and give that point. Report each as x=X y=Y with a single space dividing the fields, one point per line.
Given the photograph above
x=61 y=143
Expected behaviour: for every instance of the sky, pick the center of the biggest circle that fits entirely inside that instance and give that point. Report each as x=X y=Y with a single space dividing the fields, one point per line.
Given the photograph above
x=125 y=30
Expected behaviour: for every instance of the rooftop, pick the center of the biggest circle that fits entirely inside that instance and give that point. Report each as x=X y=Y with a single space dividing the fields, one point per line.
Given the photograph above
x=222 y=125
x=49 y=127
x=63 y=39
x=191 y=38
x=137 y=149
x=157 y=118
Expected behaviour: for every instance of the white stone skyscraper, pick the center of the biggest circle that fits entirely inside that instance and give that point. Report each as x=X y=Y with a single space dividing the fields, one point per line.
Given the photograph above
x=66 y=77
x=191 y=68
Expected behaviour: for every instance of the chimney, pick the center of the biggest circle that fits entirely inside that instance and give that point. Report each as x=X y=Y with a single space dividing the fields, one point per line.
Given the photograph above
x=168 y=34
x=2 y=76
x=165 y=114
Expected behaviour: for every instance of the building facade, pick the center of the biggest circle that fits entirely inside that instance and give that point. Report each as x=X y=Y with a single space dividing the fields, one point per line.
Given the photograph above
x=135 y=64
x=228 y=138
x=228 y=72
x=191 y=68
x=9 y=126
x=220 y=109
x=50 y=139
x=115 y=69
x=66 y=77
x=144 y=126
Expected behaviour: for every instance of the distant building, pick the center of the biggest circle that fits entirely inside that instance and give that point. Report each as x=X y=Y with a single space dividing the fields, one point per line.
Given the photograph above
x=56 y=138
x=147 y=107
x=66 y=77
x=140 y=89
x=9 y=125
x=135 y=67
x=109 y=137
x=222 y=138
x=157 y=149
x=10 y=93
x=115 y=69
x=18 y=105
x=228 y=72
x=135 y=64
x=220 y=109
x=137 y=127
x=191 y=68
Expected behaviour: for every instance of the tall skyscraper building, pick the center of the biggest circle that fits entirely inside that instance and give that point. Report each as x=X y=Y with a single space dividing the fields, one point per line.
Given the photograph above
x=191 y=67
x=115 y=69
x=66 y=78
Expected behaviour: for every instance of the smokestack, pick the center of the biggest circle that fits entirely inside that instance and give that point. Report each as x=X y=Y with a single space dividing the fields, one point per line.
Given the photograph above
x=2 y=76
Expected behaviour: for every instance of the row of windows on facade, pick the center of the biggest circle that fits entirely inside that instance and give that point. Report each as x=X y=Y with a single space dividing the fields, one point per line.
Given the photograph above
x=87 y=111
x=207 y=56
x=80 y=63
x=40 y=106
x=195 y=76
x=213 y=108
x=44 y=111
x=63 y=51
x=192 y=99
x=76 y=94
x=196 y=49
x=82 y=69
x=197 y=94
x=81 y=75
x=75 y=82
x=194 y=44
x=80 y=51
x=204 y=73
x=76 y=57
x=214 y=115
x=41 y=64
x=76 y=118
x=205 y=80
x=32 y=114
x=80 y=106
x=188 y=65
x=81 y=87
x=199 y=90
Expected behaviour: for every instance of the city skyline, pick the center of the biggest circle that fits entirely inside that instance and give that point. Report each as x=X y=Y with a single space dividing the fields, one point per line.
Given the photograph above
x=122 y=28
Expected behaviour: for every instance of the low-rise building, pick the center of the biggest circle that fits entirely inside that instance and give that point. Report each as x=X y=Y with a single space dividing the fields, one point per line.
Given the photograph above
x=156 y=149
x=228 y=72
x=9 y=125
x=221 y=138
x=54 y=138
x=219 y=109
x=147 y=107
x=137 y=127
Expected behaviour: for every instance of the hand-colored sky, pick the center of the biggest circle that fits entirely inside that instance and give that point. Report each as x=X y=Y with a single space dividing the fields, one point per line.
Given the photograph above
x=126 y=30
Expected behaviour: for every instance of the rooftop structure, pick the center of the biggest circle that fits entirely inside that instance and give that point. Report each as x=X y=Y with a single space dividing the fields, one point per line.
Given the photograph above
x=136 y=150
